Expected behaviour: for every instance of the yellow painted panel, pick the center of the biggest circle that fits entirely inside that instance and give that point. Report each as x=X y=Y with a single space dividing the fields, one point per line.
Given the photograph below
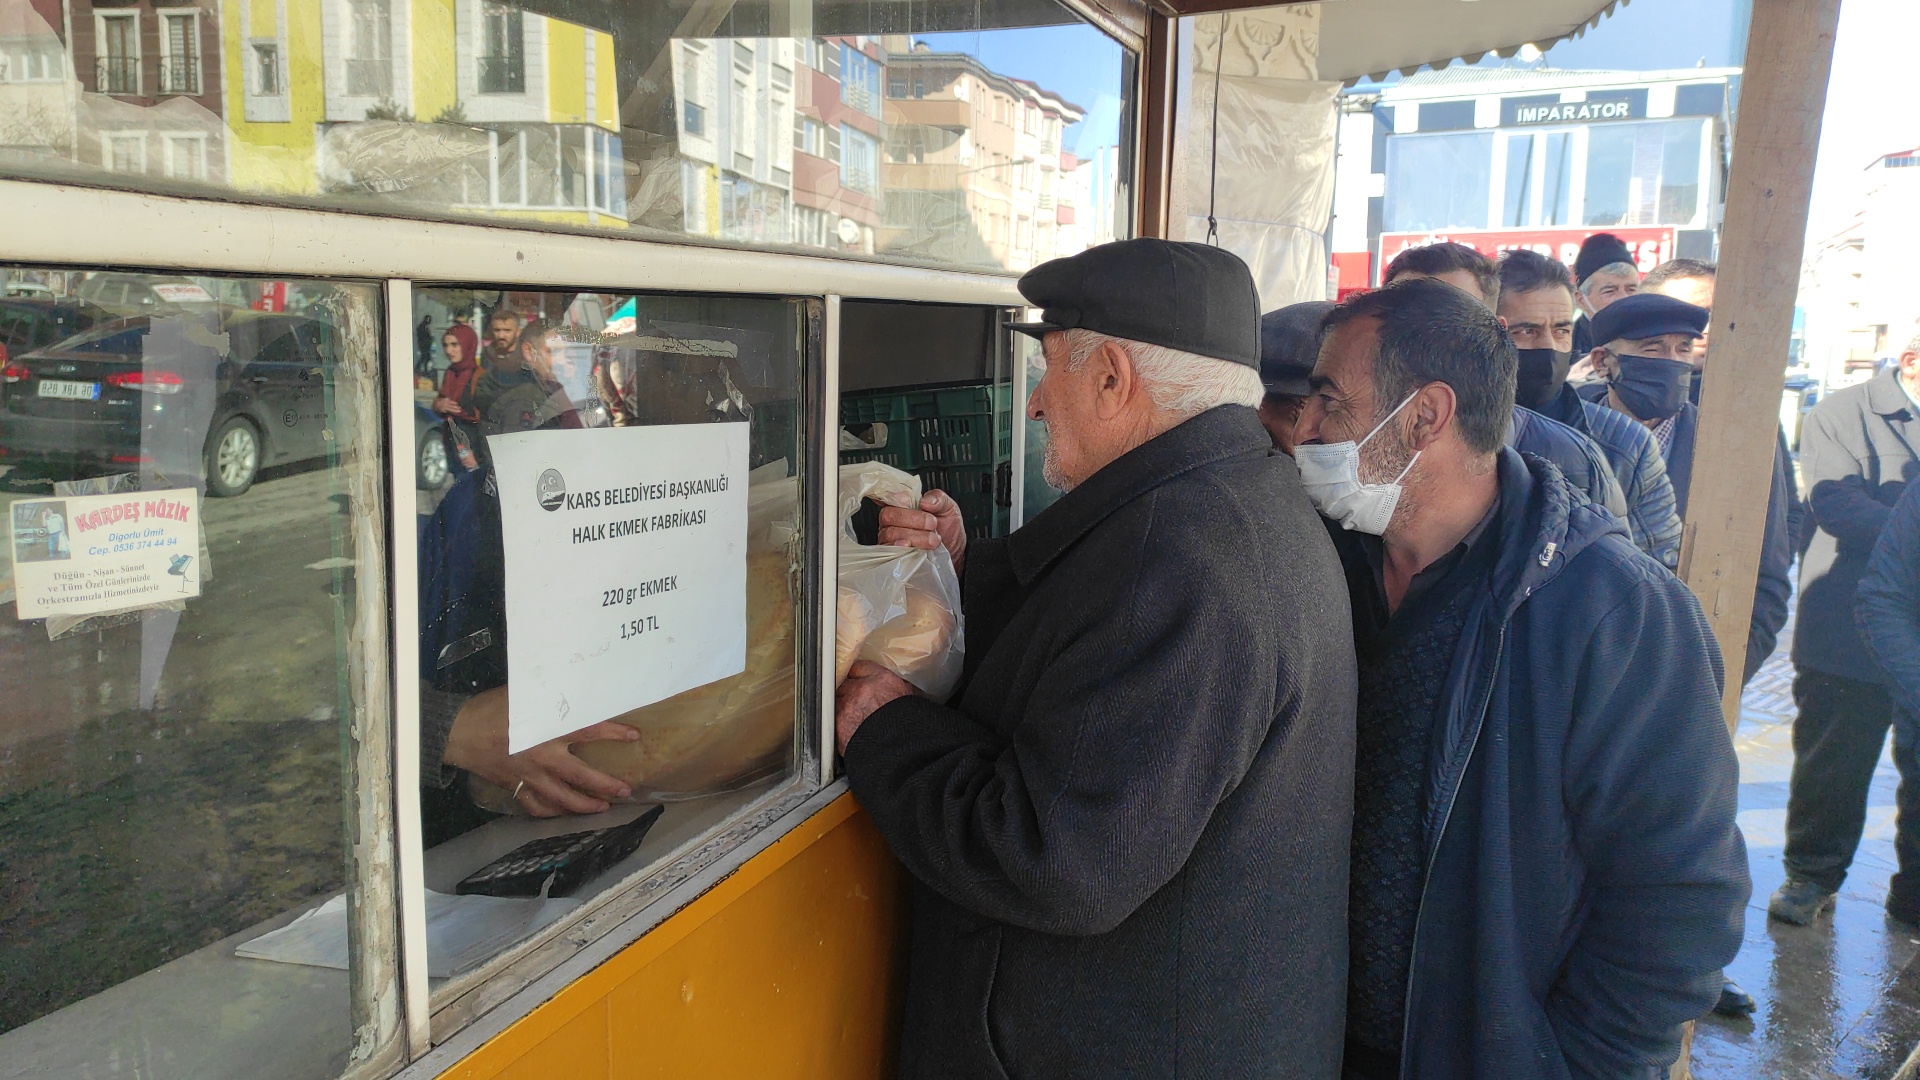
x=435 y=84
x=793 y=966
x=277 y=157
x=577 y=1051
x=606 y=86
x=260 y=14
x=566 y=72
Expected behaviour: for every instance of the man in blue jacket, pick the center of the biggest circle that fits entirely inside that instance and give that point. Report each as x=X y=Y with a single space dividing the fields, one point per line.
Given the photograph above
x=1536 y=301
x=1888 y=615
x=1546 y=874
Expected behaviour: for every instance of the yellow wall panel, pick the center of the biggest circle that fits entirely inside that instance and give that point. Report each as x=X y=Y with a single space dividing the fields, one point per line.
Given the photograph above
x=792 y=967
x=606 y=86
x=566 y=72
x=435 y=84
x=277 y=157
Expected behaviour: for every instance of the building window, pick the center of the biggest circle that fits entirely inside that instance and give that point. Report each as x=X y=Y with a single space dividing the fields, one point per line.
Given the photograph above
x=693 y=109
x=503 y=61
x=742 y=127
x=1415 y=203
x=369 y=48
x=186 y=156
x=118 y=62
x=859 y=80
x=897 y=84
x=821 y=56
x=265 y=73
x=1643 y=174
x=859 y=161
x=124 y=153
x=782 y=78
x=180 y=53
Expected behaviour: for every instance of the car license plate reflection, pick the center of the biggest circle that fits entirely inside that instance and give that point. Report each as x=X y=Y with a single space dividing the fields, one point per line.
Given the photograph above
x=69 y=391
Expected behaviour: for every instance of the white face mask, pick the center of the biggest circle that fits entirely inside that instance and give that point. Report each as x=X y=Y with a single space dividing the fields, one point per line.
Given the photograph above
x=1331 y=474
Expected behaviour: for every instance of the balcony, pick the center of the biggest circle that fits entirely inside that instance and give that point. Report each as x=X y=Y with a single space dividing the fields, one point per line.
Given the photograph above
x=180 y=75
x=503 y=74
x=117 y=74
x=932 y=112
x=369 y=77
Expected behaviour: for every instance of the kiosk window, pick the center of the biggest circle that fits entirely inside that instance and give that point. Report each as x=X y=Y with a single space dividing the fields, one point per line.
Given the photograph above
x=666 y=446
x=657 y=117
x=191 y=496
x=1643 y=174
x=1414 y=202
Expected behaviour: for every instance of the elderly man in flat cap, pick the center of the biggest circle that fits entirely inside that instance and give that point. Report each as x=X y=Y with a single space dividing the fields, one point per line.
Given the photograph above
x=1129 y=827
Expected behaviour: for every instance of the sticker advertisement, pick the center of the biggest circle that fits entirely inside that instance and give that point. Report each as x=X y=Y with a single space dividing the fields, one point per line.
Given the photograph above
x=626 y=569
x=87 y=554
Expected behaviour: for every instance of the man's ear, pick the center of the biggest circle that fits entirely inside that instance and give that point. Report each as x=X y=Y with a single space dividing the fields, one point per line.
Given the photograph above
x=1434 y=409
x=1115 y=382
x=1602 y=362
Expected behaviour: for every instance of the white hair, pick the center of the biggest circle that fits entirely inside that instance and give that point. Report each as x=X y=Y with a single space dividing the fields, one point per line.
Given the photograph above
x=1619 y=269
x=1182 y=384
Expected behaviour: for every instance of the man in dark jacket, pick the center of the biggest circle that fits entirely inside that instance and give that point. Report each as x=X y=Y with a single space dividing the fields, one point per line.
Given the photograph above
x=1646 y=355
x=1857 y=454
x=1536 y=303
x=1547 y=878
x=1129 y=828
x=1604 y=271
x=1888 y=616
x=1579 y=458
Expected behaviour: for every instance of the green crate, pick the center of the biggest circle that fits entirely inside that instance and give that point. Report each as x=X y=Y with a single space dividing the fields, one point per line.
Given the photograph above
x=772 y=435
x=953 y=438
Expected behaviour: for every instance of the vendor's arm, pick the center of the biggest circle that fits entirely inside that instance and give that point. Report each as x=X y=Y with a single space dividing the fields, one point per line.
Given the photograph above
x=1148 y=712
x=549 y=779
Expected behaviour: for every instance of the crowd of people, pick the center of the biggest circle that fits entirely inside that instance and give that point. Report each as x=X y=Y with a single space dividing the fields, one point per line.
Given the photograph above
x=1344 y=718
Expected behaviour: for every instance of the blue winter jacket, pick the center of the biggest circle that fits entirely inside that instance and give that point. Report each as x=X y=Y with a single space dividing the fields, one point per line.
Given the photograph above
x=1586 y=882
x=1888 y=611
x=1637 y=464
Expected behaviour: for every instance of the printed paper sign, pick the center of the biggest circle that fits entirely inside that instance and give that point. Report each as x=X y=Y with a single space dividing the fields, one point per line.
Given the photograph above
x=626 y=569
x=86 y=554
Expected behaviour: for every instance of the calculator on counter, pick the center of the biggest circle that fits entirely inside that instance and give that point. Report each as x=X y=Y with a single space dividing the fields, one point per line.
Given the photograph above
x=570 y=860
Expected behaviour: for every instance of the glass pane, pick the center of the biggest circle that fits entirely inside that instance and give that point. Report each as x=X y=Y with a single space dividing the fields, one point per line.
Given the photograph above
x=1643 y=174
x=1415 y=201
x=1556 y=175
x=191 y=471
x=619 y=395
x=1516 y=200
x=722 y=120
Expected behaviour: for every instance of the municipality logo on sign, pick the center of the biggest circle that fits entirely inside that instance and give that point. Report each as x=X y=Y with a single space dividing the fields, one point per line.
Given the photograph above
x=551 y=489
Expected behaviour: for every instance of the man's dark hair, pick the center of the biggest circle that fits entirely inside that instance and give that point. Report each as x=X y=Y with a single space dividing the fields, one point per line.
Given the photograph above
x=1433 y=332
x=1677 y=270
x=502 y=314
x=1436 y=259
x=1524 y=271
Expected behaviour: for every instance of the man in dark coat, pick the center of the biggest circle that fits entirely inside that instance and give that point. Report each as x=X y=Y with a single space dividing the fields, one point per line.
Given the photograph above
x=1888 y=616
x=1536 y=303
x=1129 y=828
x=1547 y=878
x=1604 y=271
x=1857 y=454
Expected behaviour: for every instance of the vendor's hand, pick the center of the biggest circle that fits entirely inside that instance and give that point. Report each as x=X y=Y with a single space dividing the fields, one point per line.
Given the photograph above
x=548 y=779
x=868 y=687
x=937 y=522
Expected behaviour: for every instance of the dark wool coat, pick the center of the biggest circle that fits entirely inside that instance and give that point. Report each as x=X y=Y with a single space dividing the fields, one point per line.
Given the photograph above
x=1858 y=452
x=1129 y=830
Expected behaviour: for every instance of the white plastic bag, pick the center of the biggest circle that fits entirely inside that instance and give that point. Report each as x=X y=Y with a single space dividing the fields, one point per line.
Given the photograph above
x=897 y=607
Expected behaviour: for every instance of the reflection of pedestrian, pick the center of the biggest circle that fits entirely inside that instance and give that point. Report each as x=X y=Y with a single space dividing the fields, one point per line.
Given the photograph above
x=517 y=390
x=56 y=527
x=423 y=348
x=456 y=389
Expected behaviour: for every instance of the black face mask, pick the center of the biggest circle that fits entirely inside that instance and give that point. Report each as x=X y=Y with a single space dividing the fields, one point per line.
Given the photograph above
x=1542 y=373
x=1652 y=388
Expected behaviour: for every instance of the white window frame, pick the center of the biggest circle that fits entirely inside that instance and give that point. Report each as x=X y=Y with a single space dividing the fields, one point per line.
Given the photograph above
x=170 y=141
x=136 y=138
x=100 y=21
x=67 y=225
x=192 y=17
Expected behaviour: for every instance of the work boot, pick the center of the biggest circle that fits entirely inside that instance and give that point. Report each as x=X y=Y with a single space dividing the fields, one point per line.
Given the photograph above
x=1734 y=1001
x=1903 y=910
x=1799 y=901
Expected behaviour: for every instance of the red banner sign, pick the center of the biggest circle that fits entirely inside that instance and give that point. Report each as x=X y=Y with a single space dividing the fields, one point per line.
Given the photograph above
x=1651 y=246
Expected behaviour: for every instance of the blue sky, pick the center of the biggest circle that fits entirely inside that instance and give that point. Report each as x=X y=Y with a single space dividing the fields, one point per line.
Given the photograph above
x=1077 y=62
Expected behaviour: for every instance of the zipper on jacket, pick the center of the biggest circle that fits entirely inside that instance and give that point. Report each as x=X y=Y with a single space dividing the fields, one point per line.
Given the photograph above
x=1439 y=834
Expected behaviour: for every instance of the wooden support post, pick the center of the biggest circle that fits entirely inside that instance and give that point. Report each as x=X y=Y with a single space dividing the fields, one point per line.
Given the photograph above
x=1159 y=69
x=1782 y=94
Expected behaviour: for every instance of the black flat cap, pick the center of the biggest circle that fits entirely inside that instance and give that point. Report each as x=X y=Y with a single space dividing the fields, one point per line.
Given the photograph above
x=1598 y=251
x=1645 y=315
x=1289 y=346
x=1191 y=297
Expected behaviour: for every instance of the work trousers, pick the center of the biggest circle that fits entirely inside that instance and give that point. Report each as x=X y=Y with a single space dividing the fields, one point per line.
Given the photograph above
x=1837 y=739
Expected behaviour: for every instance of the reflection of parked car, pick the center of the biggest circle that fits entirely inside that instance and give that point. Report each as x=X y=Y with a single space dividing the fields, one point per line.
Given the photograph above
x=144 y=294
x=90 y=401
x=431 y=463
x=28 y=290
x=29 y=324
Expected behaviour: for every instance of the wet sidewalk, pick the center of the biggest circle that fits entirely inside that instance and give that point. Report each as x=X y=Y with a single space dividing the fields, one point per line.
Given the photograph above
x=1840 y=998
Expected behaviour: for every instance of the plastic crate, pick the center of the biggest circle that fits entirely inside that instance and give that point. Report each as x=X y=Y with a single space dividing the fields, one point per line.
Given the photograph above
x=772 y=434
x=956 y=439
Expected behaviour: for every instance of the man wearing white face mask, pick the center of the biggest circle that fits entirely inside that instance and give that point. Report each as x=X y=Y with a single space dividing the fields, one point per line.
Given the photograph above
x=1546 y=876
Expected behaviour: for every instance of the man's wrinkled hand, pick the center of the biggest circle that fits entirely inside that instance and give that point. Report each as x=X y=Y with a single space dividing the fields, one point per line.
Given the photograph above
x=936 y=523
x=868 y=687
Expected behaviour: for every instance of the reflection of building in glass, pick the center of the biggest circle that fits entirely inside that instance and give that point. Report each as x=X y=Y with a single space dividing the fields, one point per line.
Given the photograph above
x=736 y=137
x=131 y=88
x=458 y=105
x=974 y=164
x=837 y=135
